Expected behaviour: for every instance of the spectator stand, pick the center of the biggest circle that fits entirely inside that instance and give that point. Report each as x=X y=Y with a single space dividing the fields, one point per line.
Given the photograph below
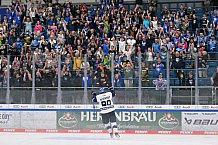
x=45 y=48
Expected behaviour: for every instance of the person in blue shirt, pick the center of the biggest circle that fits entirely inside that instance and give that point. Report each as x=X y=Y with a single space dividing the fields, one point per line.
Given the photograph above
x=8 y=14
x=211 y=46
x=146 y=22
x=158 y=67
x=67 y=17
x=156 y=46
x=105 y=47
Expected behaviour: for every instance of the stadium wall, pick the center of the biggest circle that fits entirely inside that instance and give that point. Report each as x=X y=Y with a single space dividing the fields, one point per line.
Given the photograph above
x=131 y=119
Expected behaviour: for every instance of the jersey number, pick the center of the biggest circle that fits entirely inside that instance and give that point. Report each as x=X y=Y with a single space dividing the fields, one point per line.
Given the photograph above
x=105 y=103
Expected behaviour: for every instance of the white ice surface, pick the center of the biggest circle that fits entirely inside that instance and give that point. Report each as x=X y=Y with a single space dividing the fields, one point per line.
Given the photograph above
x=103 y=139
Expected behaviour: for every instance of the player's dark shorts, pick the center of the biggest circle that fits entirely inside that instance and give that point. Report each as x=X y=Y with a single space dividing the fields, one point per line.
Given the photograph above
x=108 y=117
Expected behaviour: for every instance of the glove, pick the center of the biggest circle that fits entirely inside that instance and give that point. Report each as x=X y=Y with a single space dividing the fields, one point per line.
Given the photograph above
x=110 y=88
x=93 y=93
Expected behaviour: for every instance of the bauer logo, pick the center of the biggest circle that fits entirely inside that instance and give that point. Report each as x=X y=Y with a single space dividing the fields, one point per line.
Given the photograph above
x=168 y=121
x=68 y=120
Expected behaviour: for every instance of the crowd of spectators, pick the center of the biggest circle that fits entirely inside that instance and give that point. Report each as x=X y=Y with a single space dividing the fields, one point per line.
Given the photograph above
x=47 y=31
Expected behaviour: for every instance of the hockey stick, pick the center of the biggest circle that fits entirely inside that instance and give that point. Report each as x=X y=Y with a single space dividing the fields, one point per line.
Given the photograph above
x=94 y=110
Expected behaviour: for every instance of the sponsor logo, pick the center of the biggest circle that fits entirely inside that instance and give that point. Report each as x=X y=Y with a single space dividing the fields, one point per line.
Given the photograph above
x=76 y=106
x=149 y=107
x=186 y=107
x=130 y=106
x=68 y=120
x=16 y=106
x=205 y=107
x=214 y=107
x=157 y=106
x=201 y=121
x=5 y=118
x=177 y=107
x=42 y=106
x=123 y=116
x=168 y=121
x=68 y=106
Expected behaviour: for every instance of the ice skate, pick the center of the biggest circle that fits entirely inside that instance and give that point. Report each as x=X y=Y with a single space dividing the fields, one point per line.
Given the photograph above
x=117 y=135
x=111 y=135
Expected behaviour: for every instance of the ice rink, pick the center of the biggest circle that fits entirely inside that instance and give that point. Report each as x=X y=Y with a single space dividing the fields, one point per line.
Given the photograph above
x=103 y=139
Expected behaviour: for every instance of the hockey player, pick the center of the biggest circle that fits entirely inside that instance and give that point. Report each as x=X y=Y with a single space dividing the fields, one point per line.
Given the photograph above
x=107 y=109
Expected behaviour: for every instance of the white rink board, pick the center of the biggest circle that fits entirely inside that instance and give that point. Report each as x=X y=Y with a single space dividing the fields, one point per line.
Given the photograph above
x=28 y=119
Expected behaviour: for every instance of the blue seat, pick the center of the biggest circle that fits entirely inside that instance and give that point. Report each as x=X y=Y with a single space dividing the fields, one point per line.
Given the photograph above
x=150 y=73
x=202 y=82
x=212 y=63
x=210 y=71
x=172 y=73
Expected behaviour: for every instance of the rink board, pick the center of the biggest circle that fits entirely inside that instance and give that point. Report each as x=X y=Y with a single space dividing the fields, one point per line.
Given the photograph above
x=131 y=119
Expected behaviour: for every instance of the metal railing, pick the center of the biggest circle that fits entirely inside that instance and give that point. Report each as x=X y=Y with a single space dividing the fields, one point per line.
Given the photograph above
x=76 y=89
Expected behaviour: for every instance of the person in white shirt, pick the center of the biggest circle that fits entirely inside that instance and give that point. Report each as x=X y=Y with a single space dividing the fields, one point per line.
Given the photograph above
x=131 y=42
x=107 y=109
x=122 y=44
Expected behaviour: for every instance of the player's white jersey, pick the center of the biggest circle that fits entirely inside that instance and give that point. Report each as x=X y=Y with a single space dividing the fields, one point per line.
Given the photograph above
x=106 y=103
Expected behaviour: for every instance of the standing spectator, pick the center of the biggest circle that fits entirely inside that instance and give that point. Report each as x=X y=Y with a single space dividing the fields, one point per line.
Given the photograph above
x=211 y=45
x=128 y=74
x=160 y=83
x=118 y=81
x=177 y=62
x=144 y=74
x=158 y=67
x=156 y=46
x=149 y=57
x=77 y=60
x=214 y=78
x=28 y=24
x=202 y=65
x=122 y=44
x=190 y=80
x=181 y=77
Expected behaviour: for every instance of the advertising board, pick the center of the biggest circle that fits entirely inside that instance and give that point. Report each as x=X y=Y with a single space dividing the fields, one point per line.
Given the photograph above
x=201 y=121
x=126 y=120
x=27 y=119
